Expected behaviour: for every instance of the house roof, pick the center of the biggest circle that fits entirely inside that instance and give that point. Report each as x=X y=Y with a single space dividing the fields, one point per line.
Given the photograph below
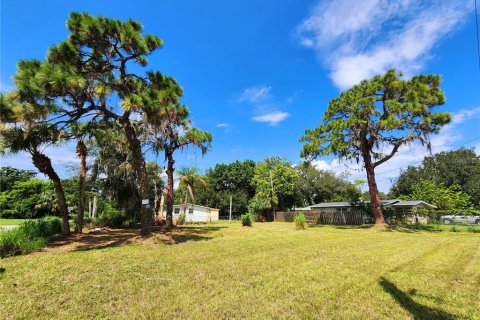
x=193 y=205
x=389 y=202
x=413 y=203
x=331 y=205
x=303 y=209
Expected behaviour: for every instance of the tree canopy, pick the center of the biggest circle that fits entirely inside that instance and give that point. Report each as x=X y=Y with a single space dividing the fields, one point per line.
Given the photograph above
x=372 y=120
x=459 y=167
x=315 y=186
x=450 y=199
x=274 y=180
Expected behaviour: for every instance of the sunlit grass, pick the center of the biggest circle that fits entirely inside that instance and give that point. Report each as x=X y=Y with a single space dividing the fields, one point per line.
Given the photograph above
x=270 y=270
x=11 y=222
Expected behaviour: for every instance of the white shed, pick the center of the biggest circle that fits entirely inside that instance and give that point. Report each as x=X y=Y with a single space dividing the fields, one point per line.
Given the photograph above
x=195 y=213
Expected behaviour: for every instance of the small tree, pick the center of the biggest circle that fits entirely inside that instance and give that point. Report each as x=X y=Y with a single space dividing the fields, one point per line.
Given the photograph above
x=32 y=138
x=451 y=199
x=274 y=179
x=372 y=120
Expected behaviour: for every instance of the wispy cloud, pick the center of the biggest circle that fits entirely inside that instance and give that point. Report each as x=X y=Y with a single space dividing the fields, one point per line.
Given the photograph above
x=358 y=39
x=255 y=94
x=273 y=118
x=449 y=137
x=222 y=125
x=264 y=105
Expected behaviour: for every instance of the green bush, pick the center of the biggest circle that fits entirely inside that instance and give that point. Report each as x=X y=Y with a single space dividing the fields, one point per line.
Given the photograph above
x=30 y=236
x=300 y=221
x=181 y=219
x=246 y=219
x=473 y=229
x=114 y=218
x=454 y=229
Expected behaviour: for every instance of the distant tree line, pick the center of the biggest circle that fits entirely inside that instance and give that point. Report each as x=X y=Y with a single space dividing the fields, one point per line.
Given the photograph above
x=449 y=180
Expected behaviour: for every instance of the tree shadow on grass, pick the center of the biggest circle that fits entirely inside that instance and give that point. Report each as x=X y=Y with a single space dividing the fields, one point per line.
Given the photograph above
x=412 y=228
x=95 y=239
x=186 y=233
x=2 y=270
x=417 y=310
x=200 y=228
x=181 y=238
x=341 y=226
x=109 y=238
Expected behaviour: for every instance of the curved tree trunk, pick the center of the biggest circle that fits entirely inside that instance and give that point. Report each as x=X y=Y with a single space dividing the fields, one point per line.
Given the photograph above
x=140 y=168
x=44 y=165
x=373 y=190
x=82 y=154
x=170 y=169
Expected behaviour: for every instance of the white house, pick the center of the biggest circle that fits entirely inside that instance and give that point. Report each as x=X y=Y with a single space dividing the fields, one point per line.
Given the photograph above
x=195 y=213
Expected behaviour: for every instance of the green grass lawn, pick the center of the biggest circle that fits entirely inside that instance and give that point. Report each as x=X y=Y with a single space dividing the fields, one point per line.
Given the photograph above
x=11 y=222
x=224 y=271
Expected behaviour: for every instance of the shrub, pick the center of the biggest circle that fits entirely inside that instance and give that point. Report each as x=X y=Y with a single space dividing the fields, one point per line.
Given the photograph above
x=181 y=219
x=42 y=228
x=246 y=219
x=300 y=221
x=473 y=229
x=30 y=236
x=113 y=217
x=454 y=229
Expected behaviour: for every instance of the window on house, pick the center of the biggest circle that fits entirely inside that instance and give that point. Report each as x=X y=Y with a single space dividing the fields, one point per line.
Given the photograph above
x=177 y=210
x=190 y=210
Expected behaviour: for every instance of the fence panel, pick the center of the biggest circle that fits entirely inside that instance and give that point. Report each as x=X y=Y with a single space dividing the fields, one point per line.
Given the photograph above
x=321 y=217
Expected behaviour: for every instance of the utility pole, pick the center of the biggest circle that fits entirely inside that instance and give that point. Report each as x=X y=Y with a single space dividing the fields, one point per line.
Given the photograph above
x=230 y=217
x=94 y=211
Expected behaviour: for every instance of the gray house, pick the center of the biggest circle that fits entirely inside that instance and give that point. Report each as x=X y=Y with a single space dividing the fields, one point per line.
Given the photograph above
x=400 y=206
x=408 y=208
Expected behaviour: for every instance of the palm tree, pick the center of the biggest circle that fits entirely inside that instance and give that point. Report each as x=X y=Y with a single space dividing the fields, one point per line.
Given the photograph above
x=189 y=177
x=32 y=138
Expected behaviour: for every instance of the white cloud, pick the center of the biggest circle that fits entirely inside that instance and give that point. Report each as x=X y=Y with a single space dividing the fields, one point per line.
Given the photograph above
x=359 y=39
x=273 y=118
x=255 y=94
x=60 y=155
x=265 y=107
x=222 y=125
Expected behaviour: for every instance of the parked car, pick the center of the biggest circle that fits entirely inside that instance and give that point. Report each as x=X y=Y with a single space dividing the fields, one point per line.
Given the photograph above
x=460 y=218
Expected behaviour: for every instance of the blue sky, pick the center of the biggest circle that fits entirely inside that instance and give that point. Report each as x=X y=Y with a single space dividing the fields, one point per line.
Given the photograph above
x=256 y=74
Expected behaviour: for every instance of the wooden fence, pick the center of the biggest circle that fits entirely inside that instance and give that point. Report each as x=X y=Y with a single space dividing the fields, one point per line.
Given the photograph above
x=321 y=217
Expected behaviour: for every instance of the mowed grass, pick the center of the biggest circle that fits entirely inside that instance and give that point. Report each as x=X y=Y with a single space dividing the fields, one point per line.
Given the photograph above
x=11 y=222
x=268 y=271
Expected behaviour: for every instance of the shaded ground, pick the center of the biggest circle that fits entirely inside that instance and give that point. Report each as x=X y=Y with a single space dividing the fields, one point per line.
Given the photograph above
x=101 y=238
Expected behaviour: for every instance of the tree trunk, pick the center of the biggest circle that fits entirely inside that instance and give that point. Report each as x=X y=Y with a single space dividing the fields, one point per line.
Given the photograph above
x=44 y=165
x=82 y=154
x=162 y=202
x=170 y=169
x=186 y=203
x=374 y=195
x=138 y=163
